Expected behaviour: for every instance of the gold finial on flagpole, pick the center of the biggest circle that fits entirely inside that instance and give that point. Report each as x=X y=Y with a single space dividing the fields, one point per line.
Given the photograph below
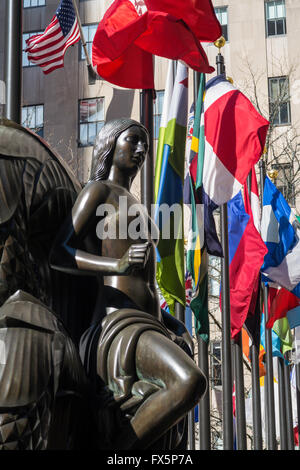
x=220 y=42
x=273 y=175
x=220 y=59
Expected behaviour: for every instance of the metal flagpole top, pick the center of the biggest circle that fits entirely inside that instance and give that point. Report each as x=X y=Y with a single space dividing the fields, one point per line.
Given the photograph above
x=219 y=43
x=273 y=175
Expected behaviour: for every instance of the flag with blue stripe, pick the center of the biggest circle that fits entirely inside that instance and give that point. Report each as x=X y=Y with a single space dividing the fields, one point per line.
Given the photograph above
x=280 y=231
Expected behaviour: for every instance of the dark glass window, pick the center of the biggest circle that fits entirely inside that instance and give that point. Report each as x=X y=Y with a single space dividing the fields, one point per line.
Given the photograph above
x=221 y=14
x=33 y=118
x=33 y=3
x=284 y=181
x=25 y=61
x=89 y=31
x=216 y=364
x=275 y=17
x=91 y=119
x=279 y=101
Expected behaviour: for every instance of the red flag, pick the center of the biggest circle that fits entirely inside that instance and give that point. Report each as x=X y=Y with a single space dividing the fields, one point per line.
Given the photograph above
x=296 y=435
x=132 y=30
x=252 y=207
x=282 y=302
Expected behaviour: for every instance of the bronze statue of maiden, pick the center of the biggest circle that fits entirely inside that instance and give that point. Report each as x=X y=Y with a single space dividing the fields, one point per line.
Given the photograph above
x=153 y=381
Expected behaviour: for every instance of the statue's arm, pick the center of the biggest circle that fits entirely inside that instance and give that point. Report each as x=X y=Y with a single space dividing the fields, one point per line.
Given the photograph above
x=68 y=257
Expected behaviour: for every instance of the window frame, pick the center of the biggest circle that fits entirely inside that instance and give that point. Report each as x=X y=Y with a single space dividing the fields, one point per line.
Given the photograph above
x=216 y=364
x=81 y=49
x=267 y=20
x=223 y=7
x=34 y=6
x=31 y=33
x=37 y=129
x=287 y=188
x=288 y=101
x=80 y=122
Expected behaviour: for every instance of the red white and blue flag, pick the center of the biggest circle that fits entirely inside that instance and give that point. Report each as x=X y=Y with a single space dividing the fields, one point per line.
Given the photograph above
x=246 y=256
x=254 y=201
x=252 y=207
x=235 y=135
x=48 y=48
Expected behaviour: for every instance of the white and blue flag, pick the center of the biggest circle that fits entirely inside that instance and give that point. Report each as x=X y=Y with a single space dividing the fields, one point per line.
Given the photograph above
x=280 y=230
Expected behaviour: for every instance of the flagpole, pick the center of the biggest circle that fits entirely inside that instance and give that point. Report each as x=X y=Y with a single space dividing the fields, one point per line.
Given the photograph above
x=282 y=404
x=298 y=395
x=256 y=404
x=270 y=402
x=92 y=73
x=239 y=393
x=226 y=330
x=288 y=405
x=282 y=400
x=237 y=350
x=147 y=172
x=204 y=403
x=13 y=60
x=254 y=356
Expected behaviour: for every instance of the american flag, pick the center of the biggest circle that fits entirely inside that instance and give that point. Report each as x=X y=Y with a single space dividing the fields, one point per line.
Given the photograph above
x=48 y=49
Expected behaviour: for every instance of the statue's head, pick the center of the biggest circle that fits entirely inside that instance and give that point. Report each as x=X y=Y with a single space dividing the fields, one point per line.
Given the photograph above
x=105 y=144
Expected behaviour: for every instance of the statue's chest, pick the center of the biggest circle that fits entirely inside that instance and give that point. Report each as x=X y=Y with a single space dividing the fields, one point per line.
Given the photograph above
x=122 y=217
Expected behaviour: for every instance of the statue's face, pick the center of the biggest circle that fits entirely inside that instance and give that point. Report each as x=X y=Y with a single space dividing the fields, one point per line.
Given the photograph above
x=131 y=149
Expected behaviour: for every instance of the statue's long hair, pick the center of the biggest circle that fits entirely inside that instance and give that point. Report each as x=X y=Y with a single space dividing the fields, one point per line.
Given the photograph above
x=105 y=144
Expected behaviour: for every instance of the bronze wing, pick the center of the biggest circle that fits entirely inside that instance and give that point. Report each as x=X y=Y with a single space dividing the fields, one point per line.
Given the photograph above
x=37 y=192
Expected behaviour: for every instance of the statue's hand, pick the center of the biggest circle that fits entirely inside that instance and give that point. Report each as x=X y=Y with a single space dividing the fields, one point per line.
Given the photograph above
x=135 y=257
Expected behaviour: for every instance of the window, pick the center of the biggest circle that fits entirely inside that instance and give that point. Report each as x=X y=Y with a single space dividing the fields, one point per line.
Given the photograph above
x=284 y=181
x=33 y=3
x=279 y=101
x=33 y=118
x=25 y=61
x=88 y=33
x=221 y=13
x=275 y=17
x=214 y=276
x=157 y=111
x=91 y=119
x=216 y=367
